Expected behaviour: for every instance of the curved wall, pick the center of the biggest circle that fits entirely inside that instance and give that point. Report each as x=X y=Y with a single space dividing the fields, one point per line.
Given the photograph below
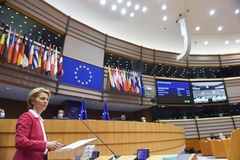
x=89 y=45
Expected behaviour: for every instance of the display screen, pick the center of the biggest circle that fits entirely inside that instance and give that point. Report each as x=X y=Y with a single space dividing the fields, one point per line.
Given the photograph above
x=209 y=92
x=173 y=92
x=142 y=154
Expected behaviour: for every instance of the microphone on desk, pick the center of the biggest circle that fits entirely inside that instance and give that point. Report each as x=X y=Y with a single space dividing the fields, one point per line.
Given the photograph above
x=114 y=155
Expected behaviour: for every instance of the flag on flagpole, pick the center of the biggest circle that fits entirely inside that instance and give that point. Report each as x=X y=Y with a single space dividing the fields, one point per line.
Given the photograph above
x=26 y=53
x=105 y=114
x=2 y=40
x=10 y=47
x=83 y=112
x=60 y=65
x=21 y=52
x=31 y=53
x=5 y=51
x=44 y=59
x=16 y=49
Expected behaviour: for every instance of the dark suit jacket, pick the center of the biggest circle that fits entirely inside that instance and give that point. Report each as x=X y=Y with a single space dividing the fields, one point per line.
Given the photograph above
x=29 y=139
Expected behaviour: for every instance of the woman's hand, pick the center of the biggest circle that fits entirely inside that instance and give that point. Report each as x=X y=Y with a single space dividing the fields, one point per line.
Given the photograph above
x=52 y=146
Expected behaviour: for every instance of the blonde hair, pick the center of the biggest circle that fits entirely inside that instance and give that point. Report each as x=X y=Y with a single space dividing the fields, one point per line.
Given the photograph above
x=34 y=93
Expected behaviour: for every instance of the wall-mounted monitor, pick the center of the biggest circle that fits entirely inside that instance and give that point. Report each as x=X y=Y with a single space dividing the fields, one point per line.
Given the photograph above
x=173 y=92
x=209 y=92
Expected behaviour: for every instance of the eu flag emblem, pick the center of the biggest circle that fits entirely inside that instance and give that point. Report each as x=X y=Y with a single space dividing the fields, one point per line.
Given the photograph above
x=82 y=74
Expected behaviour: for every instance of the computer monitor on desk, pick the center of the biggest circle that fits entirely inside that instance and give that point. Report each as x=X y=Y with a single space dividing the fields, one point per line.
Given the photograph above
x=142 y=154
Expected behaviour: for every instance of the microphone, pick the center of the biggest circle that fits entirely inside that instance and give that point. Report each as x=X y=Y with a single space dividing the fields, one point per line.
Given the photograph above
x=114 y=155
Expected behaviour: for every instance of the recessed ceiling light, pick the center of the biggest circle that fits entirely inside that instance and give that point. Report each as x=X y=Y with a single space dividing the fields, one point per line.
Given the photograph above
x=131 y=15
x=8 y=88
x=2 y=11
x=26 y=17
x=12 y=17
x=164 y=7
x=119 y=1
x=197 y=28
x=212 y=12
x=123 y=11
x=25 y=22
x=129 y=3
x=206 y=42
x=16 y=12
x=114 y=7
x=144 y=9
x=164 y=18
x=12 y=22
x=237 y=41
x=34 y=26
x=219 y=28
x=226 y=42
x=8 y=8
x=103 y=2
x=236 y=11
x=136 y=7
x=20 y=25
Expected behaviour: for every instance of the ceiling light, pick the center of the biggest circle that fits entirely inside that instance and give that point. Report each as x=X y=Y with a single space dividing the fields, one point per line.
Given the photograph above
x=34 y=26
x=206 y=42
x=12 y=22
x=123 y=11
x=129 y=3
x=26 y=17
x=226 y=42
x=237 y=41
x=114 y=7
x=164 y=18
x=219 y=28
x=144 y=9
x=25 y=22
x=132 y=14
x=12 y=17
x=164 y=7
x=103 y=2
x=2 y=11
x=20 y=25
x=8 y=88
x=136 y=7
x=197 y=28
x=119 y=1
x=212 y=12
x=236 y=11
x=16 y=12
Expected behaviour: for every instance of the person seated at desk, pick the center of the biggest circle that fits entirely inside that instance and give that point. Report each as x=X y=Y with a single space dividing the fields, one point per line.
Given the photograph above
x=123 y=117
x=143 y=119
x=60 y=115
x=2 y=113
x=212 y=136
x=221 y=136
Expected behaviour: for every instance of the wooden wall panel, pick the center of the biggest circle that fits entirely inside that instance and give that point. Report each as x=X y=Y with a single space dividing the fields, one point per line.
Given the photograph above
x=203 y=60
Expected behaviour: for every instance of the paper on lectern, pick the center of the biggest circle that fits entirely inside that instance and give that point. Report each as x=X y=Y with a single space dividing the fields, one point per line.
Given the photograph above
x=75 y=145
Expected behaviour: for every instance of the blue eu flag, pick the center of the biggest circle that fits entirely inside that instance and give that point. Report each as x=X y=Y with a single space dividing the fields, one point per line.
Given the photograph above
x=105 y=114
x=82 y=74
x=83 y=112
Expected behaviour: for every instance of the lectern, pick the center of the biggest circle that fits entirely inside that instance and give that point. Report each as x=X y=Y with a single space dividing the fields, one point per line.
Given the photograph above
x=74 y=150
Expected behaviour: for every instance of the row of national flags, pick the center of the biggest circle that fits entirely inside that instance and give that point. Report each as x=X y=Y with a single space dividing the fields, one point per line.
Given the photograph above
x=83 y=112
x=126 y=81
x=25 y=52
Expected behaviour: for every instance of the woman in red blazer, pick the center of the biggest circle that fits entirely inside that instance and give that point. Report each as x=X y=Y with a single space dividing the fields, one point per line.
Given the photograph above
x=31 y=140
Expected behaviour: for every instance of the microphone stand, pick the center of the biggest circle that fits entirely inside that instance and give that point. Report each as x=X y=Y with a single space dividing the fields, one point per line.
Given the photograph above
x=114 y=155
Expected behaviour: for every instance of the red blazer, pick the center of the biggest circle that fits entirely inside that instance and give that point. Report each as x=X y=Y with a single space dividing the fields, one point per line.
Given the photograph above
x=29 y=139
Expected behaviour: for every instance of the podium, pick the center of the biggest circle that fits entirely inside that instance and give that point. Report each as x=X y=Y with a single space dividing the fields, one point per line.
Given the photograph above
x=76 y=150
